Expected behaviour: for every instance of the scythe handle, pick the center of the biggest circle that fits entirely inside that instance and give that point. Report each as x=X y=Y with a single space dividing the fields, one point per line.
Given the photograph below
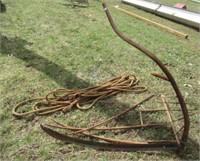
x=164 y=69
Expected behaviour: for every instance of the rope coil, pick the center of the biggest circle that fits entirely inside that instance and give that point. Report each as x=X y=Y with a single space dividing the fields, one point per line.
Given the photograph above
x=64 y=99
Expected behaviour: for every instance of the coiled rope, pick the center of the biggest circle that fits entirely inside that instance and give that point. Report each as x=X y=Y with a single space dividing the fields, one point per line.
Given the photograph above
x=64 y=99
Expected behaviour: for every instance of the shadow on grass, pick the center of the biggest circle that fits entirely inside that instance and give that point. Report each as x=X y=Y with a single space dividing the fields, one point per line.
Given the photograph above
x=2 y=7
x=71 y=5
x=192 y=151
x=17 y=48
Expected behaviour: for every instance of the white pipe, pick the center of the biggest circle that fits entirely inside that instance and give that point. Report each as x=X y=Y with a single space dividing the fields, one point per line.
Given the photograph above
x=182 y=16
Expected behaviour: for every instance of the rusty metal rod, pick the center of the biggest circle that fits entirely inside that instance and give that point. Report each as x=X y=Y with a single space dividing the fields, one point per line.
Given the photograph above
x=170 y=118
x=141 y=119
x=62 y=126
x=160 y=76
x=109 y=128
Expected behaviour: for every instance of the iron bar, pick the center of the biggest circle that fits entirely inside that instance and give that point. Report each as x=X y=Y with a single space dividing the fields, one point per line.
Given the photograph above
x=170 y=118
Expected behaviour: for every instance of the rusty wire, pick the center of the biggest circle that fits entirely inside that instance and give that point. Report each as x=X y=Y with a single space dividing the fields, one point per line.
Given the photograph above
x=64 y=99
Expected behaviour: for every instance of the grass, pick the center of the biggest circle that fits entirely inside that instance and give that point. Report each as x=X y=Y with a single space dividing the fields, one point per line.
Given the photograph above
x=47 y=44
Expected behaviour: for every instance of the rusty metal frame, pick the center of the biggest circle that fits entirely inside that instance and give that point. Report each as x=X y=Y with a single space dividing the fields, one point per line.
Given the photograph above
x=166 y=72
x=178 y=144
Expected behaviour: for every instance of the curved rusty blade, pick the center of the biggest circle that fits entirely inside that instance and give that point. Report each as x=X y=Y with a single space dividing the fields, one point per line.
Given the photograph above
x=112 y=147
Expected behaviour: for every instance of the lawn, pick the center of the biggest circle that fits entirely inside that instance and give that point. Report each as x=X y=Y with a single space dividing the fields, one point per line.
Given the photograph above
x=49 y=44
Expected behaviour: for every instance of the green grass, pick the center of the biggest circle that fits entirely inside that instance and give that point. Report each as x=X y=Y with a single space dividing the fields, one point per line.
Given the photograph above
x=47 y=44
